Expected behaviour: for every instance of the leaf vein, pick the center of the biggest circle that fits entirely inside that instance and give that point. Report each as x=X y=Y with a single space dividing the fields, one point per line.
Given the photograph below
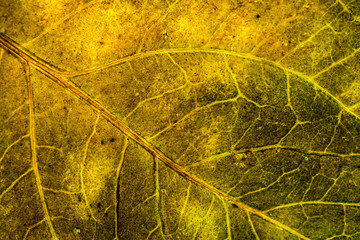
x=34 y=154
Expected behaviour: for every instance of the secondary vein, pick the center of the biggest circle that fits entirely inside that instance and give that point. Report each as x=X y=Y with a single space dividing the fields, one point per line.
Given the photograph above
x=34 y=155
x=55 y=76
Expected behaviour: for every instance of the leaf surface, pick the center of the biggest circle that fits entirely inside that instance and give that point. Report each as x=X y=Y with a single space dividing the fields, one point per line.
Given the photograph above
x=179 y=120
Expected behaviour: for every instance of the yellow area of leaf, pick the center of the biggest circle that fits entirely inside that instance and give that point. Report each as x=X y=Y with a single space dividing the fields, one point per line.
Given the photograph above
x=179 y=120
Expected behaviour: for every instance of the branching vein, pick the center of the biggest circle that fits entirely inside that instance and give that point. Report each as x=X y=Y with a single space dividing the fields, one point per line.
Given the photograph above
x=83 y=163
x=59 y=78
x=34 y=155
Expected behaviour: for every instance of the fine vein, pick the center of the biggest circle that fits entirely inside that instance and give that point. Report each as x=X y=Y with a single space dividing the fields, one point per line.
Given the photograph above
x=34 y=155
x=55 y=76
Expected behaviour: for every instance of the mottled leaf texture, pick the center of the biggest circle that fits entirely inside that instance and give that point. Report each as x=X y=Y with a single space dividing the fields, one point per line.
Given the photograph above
x=180 y=119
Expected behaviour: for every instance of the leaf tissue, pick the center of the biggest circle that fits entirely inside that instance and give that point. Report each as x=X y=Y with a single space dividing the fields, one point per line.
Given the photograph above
x=169 y=119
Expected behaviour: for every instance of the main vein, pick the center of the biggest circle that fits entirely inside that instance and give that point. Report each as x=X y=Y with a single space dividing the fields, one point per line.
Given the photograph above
x=55 y=76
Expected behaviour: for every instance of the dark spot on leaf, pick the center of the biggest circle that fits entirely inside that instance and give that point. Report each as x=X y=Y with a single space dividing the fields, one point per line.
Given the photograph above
x=235 y=206
x=112 y=139
x=257 y=16
x=102 y=142
x=99 y=205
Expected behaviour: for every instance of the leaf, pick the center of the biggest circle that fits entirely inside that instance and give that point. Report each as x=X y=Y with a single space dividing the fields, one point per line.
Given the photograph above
x=180 y=120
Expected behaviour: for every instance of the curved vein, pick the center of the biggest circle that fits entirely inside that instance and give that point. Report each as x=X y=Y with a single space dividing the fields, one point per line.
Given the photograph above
x=11 y=145
x=83 y=163
x=63 y=19
x=14 y=183
x=58 y=75
x=228 y=53
x=58 y=78
x=311 y=203
x=34 y=154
